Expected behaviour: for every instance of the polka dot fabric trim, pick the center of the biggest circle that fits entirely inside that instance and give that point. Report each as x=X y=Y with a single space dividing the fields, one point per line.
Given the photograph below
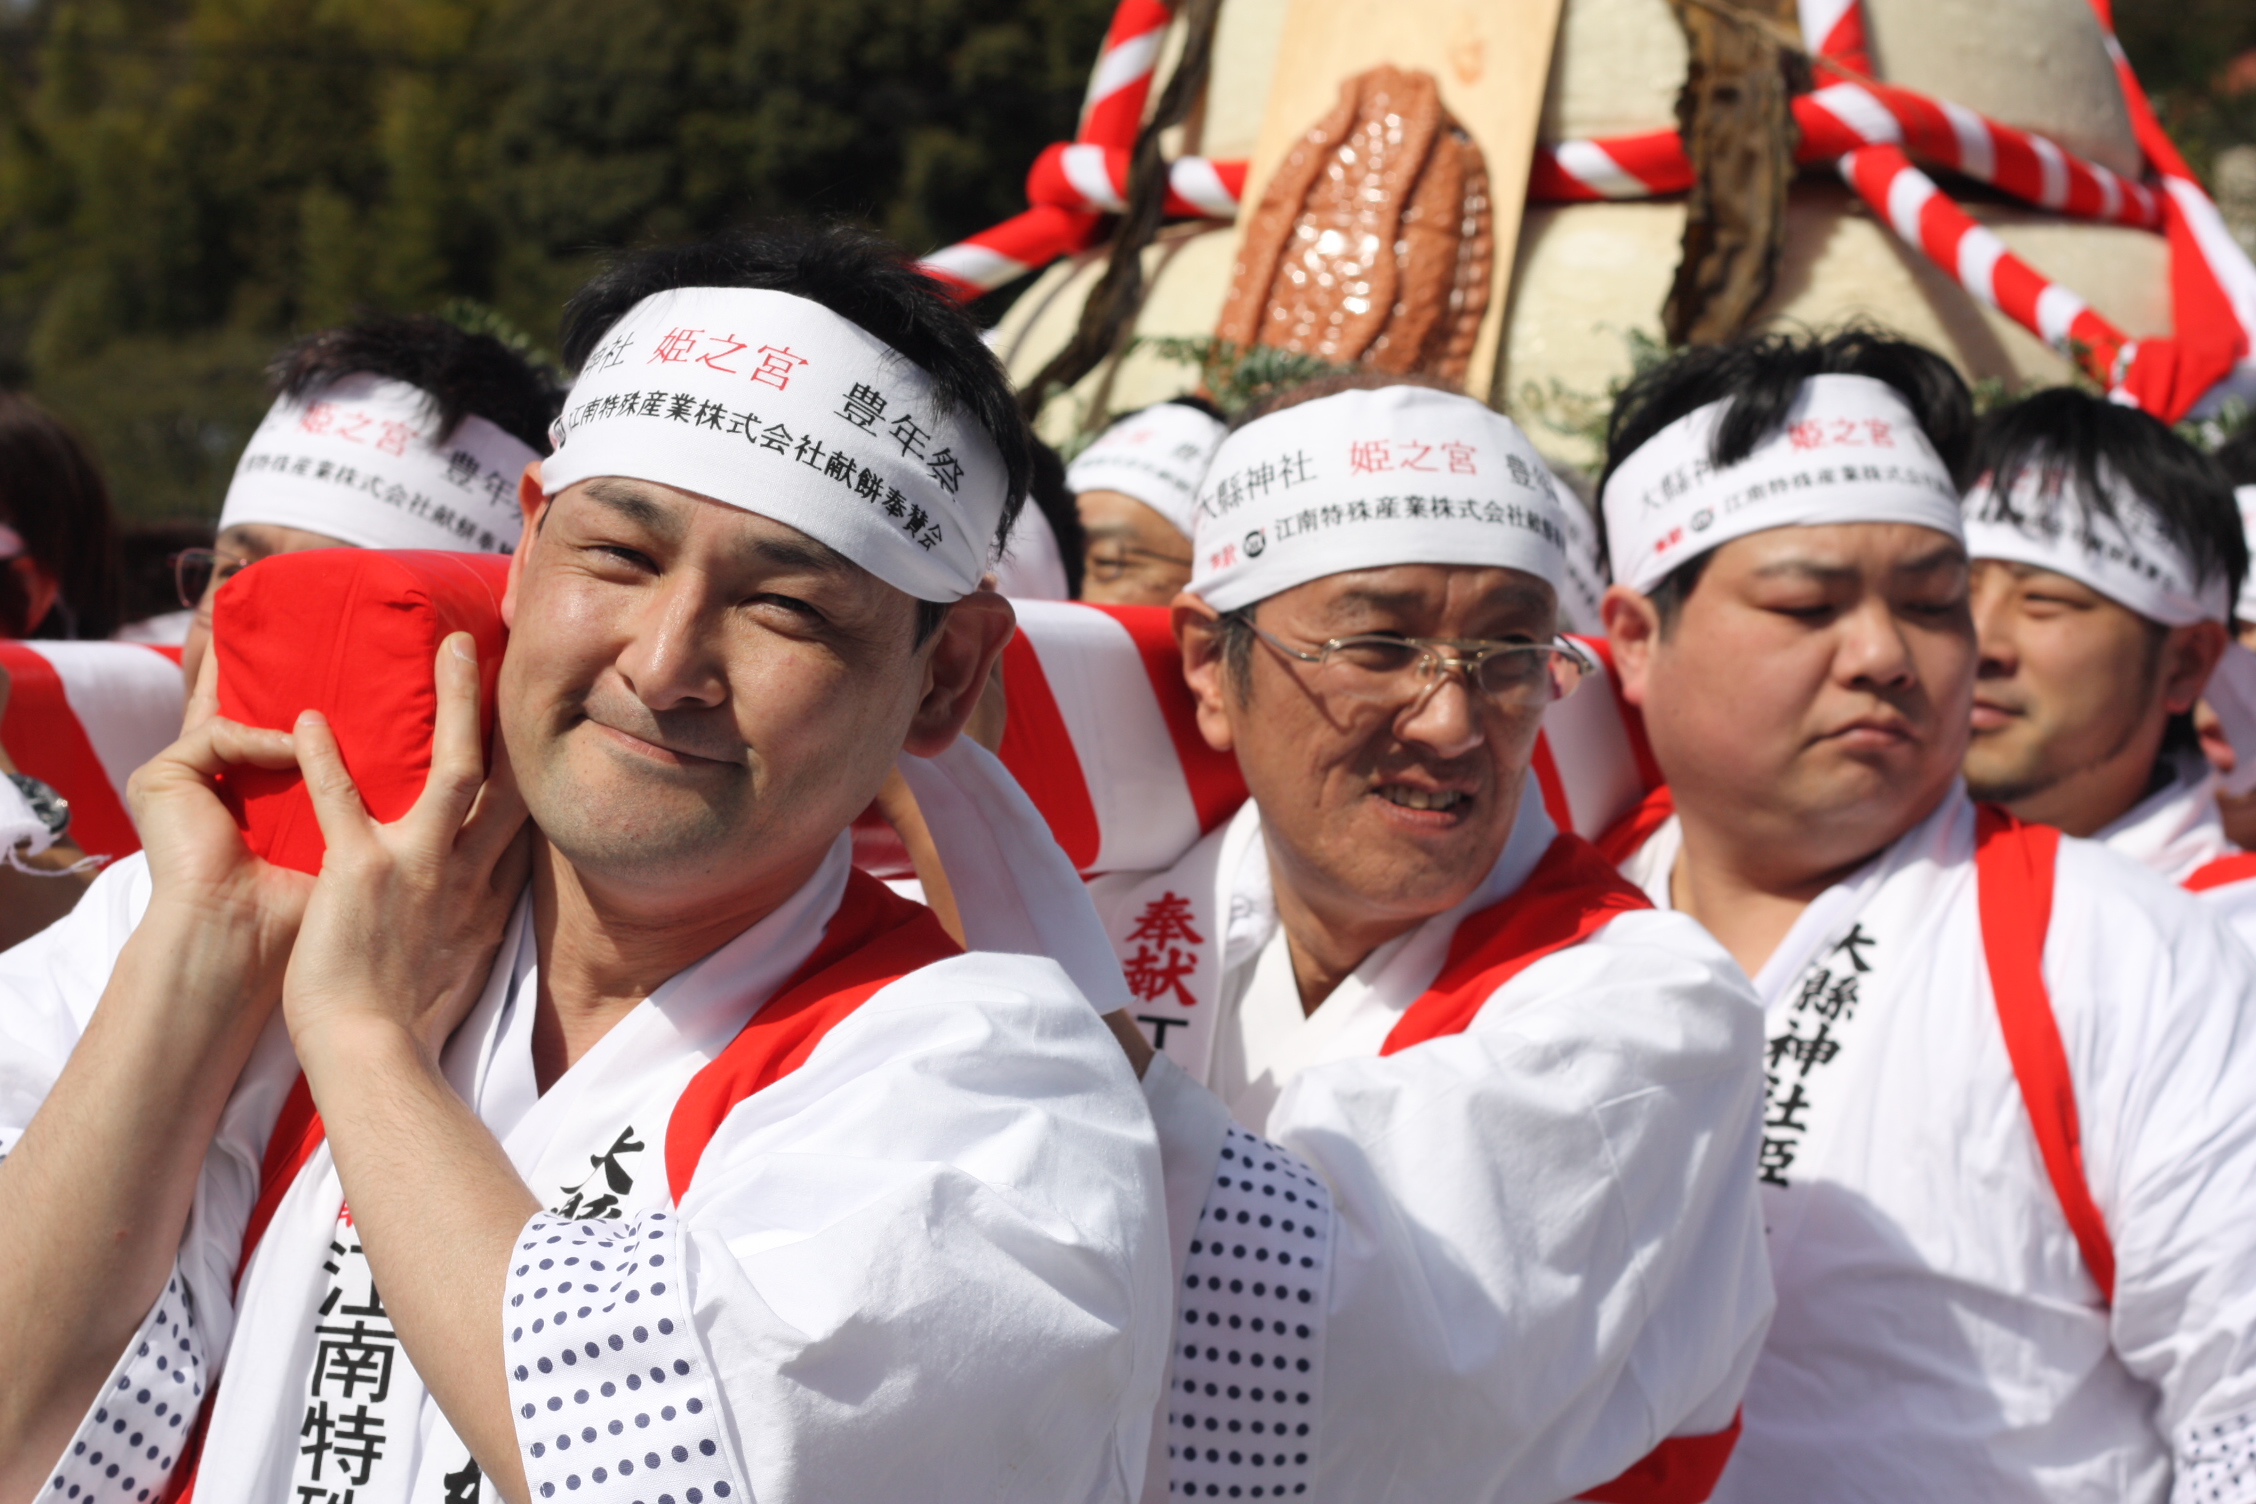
x=126 y=1447
x=2217 y=1463
x=615 y=1402
x=1248 y=1366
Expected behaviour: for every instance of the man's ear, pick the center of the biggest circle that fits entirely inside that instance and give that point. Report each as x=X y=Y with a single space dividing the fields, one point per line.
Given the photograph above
x=532 y=500
x=962 y=659
x=1633 y=629
x=2189 y=656
x=1198 y=634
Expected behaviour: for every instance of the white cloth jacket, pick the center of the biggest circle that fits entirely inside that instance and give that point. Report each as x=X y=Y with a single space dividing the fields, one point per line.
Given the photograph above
x=927 y=1263
x=1548 y=1254
x=1938 y=1335
x=2177 y=831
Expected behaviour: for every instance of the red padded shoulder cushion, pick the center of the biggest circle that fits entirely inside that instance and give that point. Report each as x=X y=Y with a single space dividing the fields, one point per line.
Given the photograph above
x=352 y=633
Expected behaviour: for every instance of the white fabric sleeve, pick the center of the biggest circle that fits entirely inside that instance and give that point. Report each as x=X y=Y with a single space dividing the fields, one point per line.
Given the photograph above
x=2157 y=1005
x=131 y=1437
x=929 y=1263
x=50 y=983
x=1550 y=1248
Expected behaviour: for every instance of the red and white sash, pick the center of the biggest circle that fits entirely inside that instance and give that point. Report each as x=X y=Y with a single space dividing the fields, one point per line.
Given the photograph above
x=873 y=938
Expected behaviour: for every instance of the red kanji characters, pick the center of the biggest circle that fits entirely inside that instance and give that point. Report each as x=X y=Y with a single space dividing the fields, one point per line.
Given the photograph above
x=1368 y=457
x=1160 y=964
x=678 y=347
x=776 y=365
x=1460 y=458
x=714 y=358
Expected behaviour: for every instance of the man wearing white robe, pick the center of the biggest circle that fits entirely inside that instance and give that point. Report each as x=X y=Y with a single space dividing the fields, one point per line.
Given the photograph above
x=2107 y=556
x=567 y=1225
x=2009 y=1153
x=1517 y=1251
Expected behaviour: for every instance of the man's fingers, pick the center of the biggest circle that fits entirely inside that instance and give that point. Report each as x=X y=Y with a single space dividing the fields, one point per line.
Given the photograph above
x=458 y=764
x=203 y=700
x=336 y=799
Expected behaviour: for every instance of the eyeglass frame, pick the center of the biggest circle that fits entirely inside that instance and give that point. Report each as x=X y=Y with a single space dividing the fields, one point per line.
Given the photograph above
x=179 y=563
x=1433 y=666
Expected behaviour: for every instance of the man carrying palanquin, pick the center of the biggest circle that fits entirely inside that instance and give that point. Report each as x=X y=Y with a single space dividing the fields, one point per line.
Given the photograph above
x=387 y=432
x=1457 y=1129
x=2009 y=1154
x=2107 y=555
x=908 y=1246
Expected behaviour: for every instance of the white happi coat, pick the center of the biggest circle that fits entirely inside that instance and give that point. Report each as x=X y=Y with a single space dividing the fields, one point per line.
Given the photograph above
x=928 y=1263
x=2178 y=831
x=1938 y=1335
x=1548 y=1253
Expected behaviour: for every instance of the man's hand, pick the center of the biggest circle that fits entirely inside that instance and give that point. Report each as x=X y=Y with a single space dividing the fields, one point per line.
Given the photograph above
x=403 y=924
x=399 y=935
x=199 y=866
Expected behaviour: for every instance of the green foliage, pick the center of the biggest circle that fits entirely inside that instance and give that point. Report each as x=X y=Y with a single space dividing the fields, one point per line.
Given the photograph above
x=185 y=184
x=1582 y=416
x=1236 y=379
x=2206 y=434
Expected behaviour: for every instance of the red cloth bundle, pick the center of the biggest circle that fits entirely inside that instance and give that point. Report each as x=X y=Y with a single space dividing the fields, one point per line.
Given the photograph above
x=352 y=633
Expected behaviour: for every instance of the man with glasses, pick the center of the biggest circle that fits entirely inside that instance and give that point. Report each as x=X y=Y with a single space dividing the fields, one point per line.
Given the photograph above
x=1458 y=1132
x=1135 y=489
x=387 y=433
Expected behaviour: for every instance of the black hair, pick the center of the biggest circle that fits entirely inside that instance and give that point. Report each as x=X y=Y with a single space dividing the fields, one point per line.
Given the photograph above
x=2237 y=456
x=1331 y=384
x=53 y=495
x=2062 y=432
x=860 y=277
x=465 y=374
x=1762 y=374
x=1198 y=404
x=1054 y=499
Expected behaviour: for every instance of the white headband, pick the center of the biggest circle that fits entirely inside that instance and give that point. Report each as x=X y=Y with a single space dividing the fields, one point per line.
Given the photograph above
x=1156 y=456
x=2130 y=558
x=1365 y=479
x=774 y=404
x=1850 y=450
x=363 y=462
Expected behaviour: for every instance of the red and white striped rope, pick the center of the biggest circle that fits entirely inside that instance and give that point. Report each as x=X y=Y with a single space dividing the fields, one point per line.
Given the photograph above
x=1095 y=178
x=1835 y=29
x=1908 y=202
x=1113 y=110
x=1111 y=114
x=1843 y=117
x=2212 y=282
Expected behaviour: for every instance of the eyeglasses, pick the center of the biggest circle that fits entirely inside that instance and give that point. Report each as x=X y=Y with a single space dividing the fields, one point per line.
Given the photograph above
x=1382 y=668
x=1116 y=561
x=196 y=572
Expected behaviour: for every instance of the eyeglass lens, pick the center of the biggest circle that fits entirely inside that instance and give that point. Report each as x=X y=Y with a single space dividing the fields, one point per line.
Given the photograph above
x=1393 y=671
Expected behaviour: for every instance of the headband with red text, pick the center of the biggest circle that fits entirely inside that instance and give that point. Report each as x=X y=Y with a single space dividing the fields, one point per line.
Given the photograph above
x=776 y=405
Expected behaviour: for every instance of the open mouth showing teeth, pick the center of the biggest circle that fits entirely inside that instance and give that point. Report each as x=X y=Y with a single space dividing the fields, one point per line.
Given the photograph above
x=1409 y=798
